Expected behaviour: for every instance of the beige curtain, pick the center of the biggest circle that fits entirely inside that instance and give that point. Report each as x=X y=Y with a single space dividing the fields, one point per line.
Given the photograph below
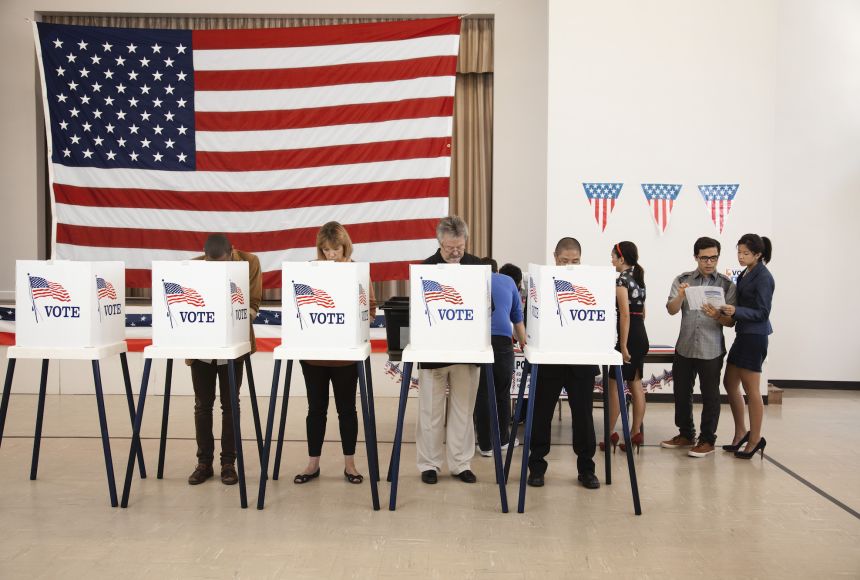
x=472 y=151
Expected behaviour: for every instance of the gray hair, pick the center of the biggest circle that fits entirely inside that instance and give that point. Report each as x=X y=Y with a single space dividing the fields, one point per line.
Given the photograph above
x=453 y=226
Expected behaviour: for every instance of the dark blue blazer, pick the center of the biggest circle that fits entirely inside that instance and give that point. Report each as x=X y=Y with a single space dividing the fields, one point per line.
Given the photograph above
x=755 y=295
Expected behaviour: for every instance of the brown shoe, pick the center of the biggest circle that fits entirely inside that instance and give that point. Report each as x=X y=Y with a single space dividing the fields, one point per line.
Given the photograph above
x=229 y=475
x=201 y=473
x=676 y=442
x=701 y=449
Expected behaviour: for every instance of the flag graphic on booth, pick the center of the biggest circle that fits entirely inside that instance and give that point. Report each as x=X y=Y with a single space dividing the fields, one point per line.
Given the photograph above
x=158 y=137
x=175 y=293
x=105 y=289
x=432 y=290
x=602 y=197
x=566 y=291
x=533 y=291
x=718 y=200
x=661 y=199
x=362 y=296
x=304 y=294
x=43 y=288
x=236 y=296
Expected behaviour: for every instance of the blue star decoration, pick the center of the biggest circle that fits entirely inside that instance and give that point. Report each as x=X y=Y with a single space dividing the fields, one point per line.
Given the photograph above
x=716 y=192
x=655 y=191
x=603 y=190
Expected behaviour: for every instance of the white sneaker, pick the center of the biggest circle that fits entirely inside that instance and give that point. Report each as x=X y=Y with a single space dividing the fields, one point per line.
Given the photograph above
x=485 y=453
x=516 y=444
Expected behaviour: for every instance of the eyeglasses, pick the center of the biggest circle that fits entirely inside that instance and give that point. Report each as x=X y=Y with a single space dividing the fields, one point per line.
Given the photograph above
x=711 y=259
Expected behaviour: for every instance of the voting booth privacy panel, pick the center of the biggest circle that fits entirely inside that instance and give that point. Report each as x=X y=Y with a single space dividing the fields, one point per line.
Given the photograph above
x=326 y=305
x=64 y=304
x=199 y=304
x=571 y=309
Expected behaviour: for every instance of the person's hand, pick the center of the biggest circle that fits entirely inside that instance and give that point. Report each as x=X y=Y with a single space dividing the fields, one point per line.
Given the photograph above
x=711 y=311
x=682 y=289
x=625 y=355
x=728 y=310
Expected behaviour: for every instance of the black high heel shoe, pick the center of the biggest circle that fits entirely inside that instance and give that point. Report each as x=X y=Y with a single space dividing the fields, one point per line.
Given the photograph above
x=758 y=447
x=733 y=448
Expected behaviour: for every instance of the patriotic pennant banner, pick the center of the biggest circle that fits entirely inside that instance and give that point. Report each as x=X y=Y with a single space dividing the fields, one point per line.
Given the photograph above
x=158 y=138
x=718 y=201
x=602 y=197
x=661 y=199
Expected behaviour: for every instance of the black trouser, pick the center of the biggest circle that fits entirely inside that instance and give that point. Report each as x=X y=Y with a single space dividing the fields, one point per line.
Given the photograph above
x=684 y=371
x=503 y=370
x=579 y=381
x=203 y=375
x=344 y=381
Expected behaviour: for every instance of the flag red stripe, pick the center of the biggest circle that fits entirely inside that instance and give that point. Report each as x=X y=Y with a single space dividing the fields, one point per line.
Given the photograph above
x=324 y=156
x=416 y=229
x=323 y=35
x=324 y=116
x=663 y=209
x=252 y=201
x=317 y=76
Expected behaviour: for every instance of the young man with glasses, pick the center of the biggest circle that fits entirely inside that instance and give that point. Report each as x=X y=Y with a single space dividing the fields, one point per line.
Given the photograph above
x=700 y=350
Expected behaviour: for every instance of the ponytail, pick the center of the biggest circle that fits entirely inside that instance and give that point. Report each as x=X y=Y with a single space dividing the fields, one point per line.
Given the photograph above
x=630 y=254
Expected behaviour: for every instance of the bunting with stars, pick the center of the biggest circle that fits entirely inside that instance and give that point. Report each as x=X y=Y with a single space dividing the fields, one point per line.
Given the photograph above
x=602 y=197
x=718 y=201
x=661 y=200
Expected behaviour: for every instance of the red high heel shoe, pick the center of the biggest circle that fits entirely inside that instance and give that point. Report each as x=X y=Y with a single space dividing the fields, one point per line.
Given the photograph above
x=613 y=440
x=637 y=441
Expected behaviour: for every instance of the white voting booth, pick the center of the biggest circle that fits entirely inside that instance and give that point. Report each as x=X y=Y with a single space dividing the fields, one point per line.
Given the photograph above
x=70 y=310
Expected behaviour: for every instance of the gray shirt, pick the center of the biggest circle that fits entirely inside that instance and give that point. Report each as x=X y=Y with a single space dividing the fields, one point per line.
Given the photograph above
x=701 y=336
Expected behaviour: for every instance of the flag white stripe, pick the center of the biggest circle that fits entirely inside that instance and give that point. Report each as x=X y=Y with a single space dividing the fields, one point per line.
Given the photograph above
x=253 y=180
x=423 y=128
x=135 y=258
x=327 y=55
x=327 y=96
x=247 y=222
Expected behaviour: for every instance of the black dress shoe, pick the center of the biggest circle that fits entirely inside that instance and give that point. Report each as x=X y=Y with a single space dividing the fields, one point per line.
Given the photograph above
x=429 y=476
x=201 y=473
x=229 y=475
x=466 y=476
x=535 y=480
x=589 y=480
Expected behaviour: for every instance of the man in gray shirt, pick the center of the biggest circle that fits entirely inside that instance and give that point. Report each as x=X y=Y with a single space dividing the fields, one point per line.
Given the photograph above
x=700 y=350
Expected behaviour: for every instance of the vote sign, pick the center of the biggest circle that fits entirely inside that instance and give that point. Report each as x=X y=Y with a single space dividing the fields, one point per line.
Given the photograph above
x=326 y=304
x=571 y=308
x=196 y=303
x=67 y=304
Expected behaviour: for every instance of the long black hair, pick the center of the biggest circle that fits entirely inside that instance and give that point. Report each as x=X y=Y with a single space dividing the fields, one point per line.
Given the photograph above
x=758 y=245
x=630 y=253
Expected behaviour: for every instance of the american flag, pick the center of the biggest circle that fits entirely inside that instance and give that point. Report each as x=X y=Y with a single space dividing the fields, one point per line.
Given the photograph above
x=307 y=295
x=43 y=288
x=602 y=198
x=362 y=296
x=718 y=200
x=661 y=199
x=236 y=294
x=532 y=290
x=435 y=291
x=105 y=289
x=565 y=292
x=176 y=293
x=158 y=138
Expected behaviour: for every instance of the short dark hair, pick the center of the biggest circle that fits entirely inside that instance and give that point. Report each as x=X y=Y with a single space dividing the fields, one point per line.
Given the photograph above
x=704 y=243
x=514 y=272
x=567 y=244
x=217 y=246
x=494 y=266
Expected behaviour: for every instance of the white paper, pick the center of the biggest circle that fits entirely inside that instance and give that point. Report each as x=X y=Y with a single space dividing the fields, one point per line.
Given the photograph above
x=698 y=296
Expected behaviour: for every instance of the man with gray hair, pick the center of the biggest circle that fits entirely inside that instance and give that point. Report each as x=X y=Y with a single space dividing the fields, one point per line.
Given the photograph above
x=452 y=234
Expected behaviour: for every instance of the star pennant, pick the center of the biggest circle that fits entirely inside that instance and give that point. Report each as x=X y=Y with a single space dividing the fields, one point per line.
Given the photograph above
x=718 y=200
x=602 y=197
x=661 y=199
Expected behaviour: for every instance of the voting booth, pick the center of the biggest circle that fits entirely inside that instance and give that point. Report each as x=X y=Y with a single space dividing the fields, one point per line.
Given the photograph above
x=70 y=310
x=200 y=310
x=326 y=316
x=571 y=320
x=449 y=320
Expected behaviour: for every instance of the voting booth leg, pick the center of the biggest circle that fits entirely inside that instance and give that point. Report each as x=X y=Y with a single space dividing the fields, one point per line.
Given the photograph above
x=369 y=440
x=527 y=442
x=237 y=433
x=126 y=377
x=398 y=435
x=162 y=445
x=100 y=401
x=135 y=432
x=634 y=487
x=40 y=413
x=607 y=464
x=252 y=390
x=267 y=442
x=516 y=423
x=7 y=390
x=496 y=435
x=371 y=406
x=285 y=403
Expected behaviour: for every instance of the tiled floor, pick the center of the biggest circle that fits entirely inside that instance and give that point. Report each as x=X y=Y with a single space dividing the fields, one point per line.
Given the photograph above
x=715 y=517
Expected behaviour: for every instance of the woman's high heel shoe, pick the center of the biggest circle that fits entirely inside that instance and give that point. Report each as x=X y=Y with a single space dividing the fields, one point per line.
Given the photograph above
x=613 y=439
x=636 y=441
x=738 y=445
x=758 y=447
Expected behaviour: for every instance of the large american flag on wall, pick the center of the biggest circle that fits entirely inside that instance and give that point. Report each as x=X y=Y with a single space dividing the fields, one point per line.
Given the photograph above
x=158 y=138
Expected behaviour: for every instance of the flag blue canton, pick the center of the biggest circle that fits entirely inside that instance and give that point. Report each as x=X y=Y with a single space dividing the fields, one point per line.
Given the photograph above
x=119 y=98
x=719 y=191
x=661 y=190
x=603 y=190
